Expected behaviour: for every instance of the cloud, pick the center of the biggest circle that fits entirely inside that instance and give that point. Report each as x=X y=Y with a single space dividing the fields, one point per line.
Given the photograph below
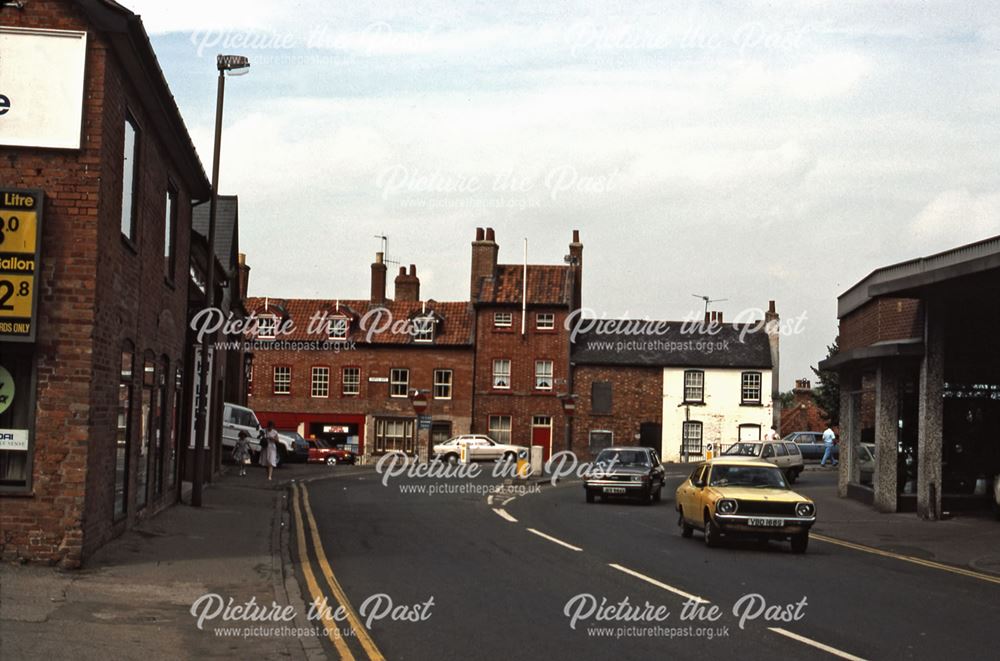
x=954 y=217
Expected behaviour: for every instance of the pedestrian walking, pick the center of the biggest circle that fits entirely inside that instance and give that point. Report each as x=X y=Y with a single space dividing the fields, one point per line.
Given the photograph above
x=269 y=449
x=241 y=453
x=829 y=439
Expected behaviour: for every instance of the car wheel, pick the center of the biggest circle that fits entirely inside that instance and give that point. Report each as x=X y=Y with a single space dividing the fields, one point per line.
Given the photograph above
x=590 y=495
x=451 y=459
x=331 y=461
x=800 y=543
x=711 y=532
x=686 y=529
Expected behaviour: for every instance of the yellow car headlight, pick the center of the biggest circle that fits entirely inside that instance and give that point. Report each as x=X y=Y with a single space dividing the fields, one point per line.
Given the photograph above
x=805 y=509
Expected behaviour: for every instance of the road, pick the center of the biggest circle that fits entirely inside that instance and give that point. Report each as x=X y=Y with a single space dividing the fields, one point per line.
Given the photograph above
x=501 y=573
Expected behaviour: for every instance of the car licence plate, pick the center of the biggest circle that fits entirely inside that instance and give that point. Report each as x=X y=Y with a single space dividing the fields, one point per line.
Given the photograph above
x=768 y=523
x=614 y=489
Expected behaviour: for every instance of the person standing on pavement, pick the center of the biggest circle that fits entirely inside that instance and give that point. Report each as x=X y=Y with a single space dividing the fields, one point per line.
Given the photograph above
x=771 y=435
x=829 y=438
x=269 y=449
x=241 y=453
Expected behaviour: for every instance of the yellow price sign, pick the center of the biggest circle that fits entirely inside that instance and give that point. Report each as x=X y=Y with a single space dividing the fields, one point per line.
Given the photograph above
x=16 y=295
x=18 y=231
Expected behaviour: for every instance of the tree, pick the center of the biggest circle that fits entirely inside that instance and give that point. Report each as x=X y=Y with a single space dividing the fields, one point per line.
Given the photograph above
x=827 y=393
x=786 y=399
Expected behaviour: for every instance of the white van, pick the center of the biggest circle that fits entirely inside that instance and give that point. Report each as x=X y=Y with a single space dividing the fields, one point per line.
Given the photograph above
x=236 y=418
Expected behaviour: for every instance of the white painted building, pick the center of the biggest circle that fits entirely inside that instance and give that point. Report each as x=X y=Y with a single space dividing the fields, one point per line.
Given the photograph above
x=708 y=407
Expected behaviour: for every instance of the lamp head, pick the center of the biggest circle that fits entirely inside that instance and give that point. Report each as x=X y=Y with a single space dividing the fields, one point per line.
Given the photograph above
x=233 y=64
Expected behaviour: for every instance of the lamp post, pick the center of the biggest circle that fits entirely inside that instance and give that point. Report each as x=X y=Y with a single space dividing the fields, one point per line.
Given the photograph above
x=234 y=65
x=419 y=400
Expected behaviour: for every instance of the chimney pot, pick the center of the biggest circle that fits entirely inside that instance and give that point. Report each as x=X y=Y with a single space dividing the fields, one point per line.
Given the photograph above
x=413 y=269
x=770 y=306
x=480 y=234
x=489 y=234
x=576 y=236
x=402 y=270
x=379 y=257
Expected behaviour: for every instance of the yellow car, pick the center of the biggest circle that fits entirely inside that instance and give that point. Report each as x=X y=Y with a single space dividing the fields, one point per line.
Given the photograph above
x=736 y=496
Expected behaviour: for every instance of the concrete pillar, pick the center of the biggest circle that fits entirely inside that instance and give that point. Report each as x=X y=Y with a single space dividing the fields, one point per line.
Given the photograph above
x=930 y=415
x=850 y=430
x=886 y=436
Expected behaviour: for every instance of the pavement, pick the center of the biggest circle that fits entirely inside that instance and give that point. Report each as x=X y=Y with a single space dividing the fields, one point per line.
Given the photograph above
x=135 y=594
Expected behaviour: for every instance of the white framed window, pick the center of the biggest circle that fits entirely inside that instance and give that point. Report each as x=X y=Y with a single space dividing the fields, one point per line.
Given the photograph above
x=266 y=326
x=750 y=389
x=442 y=384
x=692 y=436
x=543 y=375
x=545 y=321
x=503 y=319
x=320 y=382
x=501 y=374
x=694 y=386
x=130 y=179
x=351 y=380
x=282 y=380
x=500 y=428
x=399 y=382
x=423 y=329
x=336 y=328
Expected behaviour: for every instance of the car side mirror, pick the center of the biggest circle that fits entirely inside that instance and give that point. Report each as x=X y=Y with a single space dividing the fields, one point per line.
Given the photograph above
x=699 y=484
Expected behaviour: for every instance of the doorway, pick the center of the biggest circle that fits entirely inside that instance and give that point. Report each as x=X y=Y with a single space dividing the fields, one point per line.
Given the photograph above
x=541 y=434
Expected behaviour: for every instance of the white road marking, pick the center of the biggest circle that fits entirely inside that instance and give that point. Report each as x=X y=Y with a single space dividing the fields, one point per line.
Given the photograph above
x=659 y=584
x=489 y=499
x=826 y=648
x=503 y=515
x=504 y=503
x=553 y=539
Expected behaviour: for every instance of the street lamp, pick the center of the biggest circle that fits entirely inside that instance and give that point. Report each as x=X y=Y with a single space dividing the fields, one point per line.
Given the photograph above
x=419 y=400
x=235 y=65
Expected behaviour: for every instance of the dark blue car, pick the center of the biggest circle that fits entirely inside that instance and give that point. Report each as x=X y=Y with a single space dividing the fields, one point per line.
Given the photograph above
x=811 y=444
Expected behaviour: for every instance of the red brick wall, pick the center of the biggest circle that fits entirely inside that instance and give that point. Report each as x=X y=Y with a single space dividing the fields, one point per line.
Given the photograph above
x=522 y=401
x=95 y=292
x=636 y=397
x=881 y=319
x=373 y=397
x=802 y=415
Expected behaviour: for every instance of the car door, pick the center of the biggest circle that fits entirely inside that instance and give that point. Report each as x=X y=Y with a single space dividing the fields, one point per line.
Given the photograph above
x=690 y=496
x=659 y=473
x=780 y=455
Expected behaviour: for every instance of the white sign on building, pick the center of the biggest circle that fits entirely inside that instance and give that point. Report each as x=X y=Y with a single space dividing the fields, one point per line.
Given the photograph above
x=41 y=87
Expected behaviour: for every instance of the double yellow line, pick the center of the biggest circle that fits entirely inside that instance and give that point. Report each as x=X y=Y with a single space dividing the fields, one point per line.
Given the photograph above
x=301 y=494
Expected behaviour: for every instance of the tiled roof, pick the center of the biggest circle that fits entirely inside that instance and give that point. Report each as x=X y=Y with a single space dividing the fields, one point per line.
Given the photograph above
x=547 y=285
x=453 y=329
x=672 y=344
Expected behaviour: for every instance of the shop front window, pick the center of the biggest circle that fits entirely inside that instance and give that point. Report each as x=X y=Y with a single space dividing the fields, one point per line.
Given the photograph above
x=16 y=414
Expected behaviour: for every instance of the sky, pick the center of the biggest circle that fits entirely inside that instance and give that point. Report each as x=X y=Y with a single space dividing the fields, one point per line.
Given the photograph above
x=747 y=151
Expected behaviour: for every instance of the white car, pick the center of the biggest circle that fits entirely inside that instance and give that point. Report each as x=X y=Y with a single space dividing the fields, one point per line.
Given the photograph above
x=784 y=455
x=480 y=447
x=236 y=418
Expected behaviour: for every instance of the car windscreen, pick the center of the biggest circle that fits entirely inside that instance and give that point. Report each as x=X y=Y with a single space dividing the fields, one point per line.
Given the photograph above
x=747 y=476
x=623 y=457
x=744 y=449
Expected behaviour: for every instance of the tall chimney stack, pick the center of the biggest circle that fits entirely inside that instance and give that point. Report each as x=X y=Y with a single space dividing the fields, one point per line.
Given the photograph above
x=484 y=260
x=407 y=284
x=378 y=279
x=244 y=274
x=576 y=266
x=772 y=326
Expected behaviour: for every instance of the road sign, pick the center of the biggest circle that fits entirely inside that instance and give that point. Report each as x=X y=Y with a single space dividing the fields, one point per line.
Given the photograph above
x=20 y=254
x=424 y=421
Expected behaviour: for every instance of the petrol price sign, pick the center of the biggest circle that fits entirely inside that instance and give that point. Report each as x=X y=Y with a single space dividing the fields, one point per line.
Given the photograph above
x=20 y=252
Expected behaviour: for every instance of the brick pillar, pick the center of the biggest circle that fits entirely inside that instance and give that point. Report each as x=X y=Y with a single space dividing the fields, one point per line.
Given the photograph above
x=850 y=430
x=886 y=436
x=929 y=420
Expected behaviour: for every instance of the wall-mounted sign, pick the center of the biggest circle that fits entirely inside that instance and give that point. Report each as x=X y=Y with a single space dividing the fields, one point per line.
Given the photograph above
x=6 y=389
x=41 y=87
x=14 y=439
x=336 y=429
x=20 y=254
x=378 y=379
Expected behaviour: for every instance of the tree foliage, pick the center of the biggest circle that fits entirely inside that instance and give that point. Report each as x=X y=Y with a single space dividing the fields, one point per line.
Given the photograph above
x=827 y=393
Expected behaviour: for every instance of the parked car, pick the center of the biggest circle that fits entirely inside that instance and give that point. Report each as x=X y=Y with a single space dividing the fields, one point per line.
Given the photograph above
x=785 y=456
x=996 y=495
x=811 y=444
x=740 y=496
x=630 y=472
x=322 y=451
x=479 y=446
x=236 y=418
x=300 y=447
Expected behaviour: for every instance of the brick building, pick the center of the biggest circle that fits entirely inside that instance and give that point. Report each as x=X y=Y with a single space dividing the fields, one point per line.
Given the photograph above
x=919 y=366
x=474 y=362
x=94 y=416
x=522 y=350
x=348 y=370
x=802 y=413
